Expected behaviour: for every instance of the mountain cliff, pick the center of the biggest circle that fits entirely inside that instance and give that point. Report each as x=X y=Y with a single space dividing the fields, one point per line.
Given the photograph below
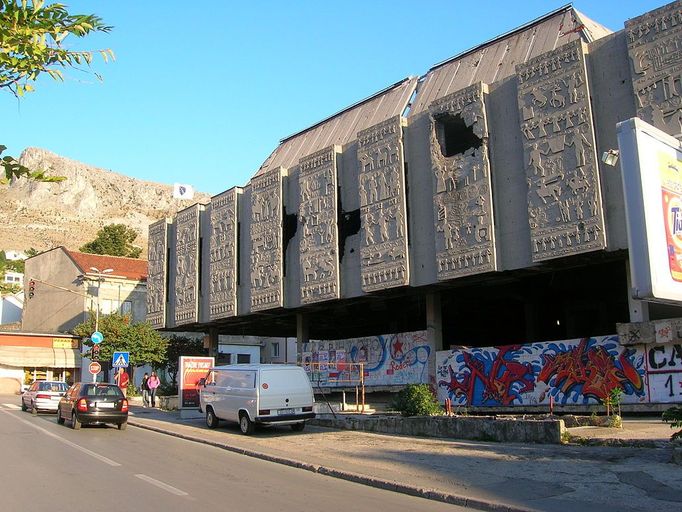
x=69 y=213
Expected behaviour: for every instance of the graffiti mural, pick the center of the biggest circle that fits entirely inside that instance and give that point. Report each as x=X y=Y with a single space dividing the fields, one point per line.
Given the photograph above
x=389 y=359
x=574 y=372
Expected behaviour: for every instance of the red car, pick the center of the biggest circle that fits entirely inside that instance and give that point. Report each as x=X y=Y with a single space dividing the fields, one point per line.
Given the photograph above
x=93 y=403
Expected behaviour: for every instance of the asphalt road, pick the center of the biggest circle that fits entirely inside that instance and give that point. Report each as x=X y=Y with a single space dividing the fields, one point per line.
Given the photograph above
x=47 y=466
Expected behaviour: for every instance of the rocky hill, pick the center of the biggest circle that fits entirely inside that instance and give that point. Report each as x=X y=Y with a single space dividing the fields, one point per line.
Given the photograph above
x=69 y=213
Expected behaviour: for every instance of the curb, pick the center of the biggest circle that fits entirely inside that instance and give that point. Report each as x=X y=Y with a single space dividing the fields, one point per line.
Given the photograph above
x=411 y=490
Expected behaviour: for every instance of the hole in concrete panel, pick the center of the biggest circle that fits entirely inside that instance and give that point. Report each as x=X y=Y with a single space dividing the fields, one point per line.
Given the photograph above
x=454 y=136
x=289 y=227
x=349 y=224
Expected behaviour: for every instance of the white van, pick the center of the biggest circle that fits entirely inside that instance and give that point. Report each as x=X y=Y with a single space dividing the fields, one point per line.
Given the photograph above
x=267 y=394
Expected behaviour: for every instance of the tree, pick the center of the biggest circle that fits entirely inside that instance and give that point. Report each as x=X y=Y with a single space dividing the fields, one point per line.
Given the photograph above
x=114 y=240
x=144 y=344
x=181 y=346
x=32 y=43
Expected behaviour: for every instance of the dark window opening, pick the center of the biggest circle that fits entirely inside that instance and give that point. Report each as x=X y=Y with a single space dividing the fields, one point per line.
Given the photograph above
x=166 y=295
x=289 y=227
x=349 y=225
x=454 y=136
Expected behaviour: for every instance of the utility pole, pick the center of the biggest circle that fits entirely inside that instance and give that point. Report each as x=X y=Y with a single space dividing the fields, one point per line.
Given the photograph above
x=100 y=277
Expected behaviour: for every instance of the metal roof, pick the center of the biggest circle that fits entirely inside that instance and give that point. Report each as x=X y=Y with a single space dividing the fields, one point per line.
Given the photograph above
x=343 y=126
x=497 y=59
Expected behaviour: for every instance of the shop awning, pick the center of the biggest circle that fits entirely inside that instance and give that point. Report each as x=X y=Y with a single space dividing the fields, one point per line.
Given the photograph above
x=40 y=357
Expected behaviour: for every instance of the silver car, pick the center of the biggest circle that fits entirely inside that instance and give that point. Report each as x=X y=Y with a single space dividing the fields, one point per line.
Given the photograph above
x=43 y=396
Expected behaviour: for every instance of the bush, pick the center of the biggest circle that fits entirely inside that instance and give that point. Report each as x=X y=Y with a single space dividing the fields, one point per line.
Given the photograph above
x=416 y=400
x=167 y=389
x=674 y=416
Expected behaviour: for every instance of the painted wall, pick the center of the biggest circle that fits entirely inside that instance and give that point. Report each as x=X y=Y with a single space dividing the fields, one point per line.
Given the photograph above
x=388 y=359
x=574 y=372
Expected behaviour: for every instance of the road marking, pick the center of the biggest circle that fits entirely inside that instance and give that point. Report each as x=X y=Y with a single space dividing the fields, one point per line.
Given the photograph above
x=161 y=485
x=97 y=456
x=11 y=406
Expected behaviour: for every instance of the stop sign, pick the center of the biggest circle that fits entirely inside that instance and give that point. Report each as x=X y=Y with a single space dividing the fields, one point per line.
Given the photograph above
x=95 y=367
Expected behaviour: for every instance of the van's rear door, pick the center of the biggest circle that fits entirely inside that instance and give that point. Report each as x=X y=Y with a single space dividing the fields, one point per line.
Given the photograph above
x=284 y=390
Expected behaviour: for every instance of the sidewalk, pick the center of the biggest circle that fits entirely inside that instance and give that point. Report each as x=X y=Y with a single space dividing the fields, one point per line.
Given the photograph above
x=484 y=476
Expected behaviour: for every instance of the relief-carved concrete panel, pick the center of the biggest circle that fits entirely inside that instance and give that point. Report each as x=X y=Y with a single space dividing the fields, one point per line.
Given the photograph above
x=223 y=255
x=654 y=46
x=187 y=265
x=156 y=274
x=465 y=238
x=383 y=245
x=317 y=215
x=565 y=209
x=266 y=240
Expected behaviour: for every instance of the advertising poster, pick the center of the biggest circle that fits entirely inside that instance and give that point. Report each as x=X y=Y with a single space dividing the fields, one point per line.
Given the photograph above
x=190 y=370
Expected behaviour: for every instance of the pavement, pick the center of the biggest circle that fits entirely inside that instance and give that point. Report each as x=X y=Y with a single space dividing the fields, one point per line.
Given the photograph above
x=624 y=469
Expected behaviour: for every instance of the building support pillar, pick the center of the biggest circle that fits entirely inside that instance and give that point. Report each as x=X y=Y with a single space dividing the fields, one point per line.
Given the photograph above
x=434 y=332
x=213 y=342
x=639 y=309
x=302 y=334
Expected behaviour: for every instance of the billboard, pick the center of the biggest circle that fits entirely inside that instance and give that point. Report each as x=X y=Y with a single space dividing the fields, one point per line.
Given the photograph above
x=191 y=369
x=651 y=163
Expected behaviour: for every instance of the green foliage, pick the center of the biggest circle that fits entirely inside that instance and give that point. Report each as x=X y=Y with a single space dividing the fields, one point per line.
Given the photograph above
x=167 y=389
x=141 y=340
x=416 y=400
x=674 y=417
x=34 y=40
x=9 y=266
x=114 y=240
x=181 y=346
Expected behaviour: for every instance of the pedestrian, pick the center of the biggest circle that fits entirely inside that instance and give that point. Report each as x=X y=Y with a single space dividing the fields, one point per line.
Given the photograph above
x=144 y=386
x=122 y=380
x=153 y=384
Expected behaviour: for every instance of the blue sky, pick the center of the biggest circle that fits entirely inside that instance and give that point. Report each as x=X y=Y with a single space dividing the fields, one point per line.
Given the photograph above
x=202 y=92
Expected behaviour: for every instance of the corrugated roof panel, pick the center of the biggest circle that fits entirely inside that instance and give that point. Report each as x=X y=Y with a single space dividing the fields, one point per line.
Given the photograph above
x=497 y=59
x=342 y=127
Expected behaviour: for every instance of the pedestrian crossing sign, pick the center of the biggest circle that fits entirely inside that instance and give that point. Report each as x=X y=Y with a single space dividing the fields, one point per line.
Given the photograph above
x=120 y=359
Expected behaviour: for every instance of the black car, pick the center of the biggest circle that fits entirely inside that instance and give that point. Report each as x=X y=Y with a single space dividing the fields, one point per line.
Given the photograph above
x=93 y=403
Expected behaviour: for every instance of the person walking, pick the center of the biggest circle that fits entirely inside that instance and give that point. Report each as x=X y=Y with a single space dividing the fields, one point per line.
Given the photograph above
x=144 y=386
x=153 y=384
x=122 y=380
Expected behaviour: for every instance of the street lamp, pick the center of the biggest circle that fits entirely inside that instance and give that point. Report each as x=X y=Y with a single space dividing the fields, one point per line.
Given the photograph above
x=100 y=278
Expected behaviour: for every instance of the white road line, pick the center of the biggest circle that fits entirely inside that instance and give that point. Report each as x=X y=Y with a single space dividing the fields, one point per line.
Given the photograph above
x=97 y=456
x=161 y=485
x=11 y=406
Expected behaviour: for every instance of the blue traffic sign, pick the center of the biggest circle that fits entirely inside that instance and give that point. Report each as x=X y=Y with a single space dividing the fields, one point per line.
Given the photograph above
x=120 y=359
x=97 y=337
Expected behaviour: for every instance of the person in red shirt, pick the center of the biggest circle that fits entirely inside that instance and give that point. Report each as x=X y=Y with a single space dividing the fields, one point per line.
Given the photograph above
x=122 y=380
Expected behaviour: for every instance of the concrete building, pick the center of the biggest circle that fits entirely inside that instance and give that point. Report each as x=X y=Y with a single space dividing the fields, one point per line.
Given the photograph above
x=11 y=305
x=468 y=206
x=80 y=283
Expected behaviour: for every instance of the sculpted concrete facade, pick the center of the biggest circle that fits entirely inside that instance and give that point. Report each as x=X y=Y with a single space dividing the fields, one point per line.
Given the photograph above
x=470 y=202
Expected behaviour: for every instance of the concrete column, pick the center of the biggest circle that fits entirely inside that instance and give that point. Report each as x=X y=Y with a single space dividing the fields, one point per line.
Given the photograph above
x=302 y=334
x=639 y=309
x=213 y=342
x=434 y=332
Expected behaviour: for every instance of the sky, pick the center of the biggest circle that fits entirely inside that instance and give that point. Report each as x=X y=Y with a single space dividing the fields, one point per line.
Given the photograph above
x=202 y=92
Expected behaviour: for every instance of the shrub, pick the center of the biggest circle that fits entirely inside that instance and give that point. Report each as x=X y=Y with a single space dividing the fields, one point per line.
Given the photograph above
x=167 y=389
x=674 y=416
x=416 y=400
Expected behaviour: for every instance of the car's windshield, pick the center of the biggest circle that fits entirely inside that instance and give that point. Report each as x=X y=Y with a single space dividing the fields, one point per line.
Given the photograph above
x=57 y=387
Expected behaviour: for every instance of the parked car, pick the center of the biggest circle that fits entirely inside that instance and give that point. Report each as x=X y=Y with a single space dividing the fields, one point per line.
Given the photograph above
x=43 y=396
x=266 y=394
x=90 y=403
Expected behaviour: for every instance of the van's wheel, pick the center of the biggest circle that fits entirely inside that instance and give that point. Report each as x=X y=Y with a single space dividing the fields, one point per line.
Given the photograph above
x=23 y=405
x=34 y=410
x=75 y=424
x=123 y=426
x=211 y=418
x=245 y=424
x=297 y=427
x=60 y=420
